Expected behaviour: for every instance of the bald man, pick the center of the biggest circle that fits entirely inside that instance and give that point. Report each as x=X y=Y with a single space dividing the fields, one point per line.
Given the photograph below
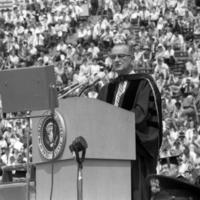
x=137 y=93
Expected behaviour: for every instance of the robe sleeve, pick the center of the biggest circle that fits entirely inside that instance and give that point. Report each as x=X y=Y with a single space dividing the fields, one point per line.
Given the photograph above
x=147 y=120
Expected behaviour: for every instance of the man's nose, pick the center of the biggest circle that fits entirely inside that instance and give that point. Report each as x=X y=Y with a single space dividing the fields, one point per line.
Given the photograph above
x=116 y=58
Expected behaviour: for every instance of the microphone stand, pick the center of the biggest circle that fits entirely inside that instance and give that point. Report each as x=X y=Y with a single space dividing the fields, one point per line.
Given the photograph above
x=28 y=159
x=79 y=146
x=88 y=87
x=79 y=177
x=71 y=90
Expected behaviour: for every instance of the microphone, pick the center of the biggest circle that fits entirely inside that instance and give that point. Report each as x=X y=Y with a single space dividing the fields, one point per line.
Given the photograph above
x=75 y=87
x=77 y=146
x=97 y=78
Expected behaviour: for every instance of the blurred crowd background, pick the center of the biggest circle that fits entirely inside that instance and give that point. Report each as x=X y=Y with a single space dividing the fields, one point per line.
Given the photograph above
x=76 y=36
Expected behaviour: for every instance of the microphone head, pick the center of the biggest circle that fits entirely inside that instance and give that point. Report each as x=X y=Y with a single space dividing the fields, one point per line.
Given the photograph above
x=79 y=144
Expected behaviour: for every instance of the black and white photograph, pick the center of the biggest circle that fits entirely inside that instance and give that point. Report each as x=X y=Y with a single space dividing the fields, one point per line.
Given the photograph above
x=100 y=99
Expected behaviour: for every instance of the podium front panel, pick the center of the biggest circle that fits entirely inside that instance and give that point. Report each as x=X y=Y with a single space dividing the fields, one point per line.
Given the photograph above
x=108 y=130
x=102 y=179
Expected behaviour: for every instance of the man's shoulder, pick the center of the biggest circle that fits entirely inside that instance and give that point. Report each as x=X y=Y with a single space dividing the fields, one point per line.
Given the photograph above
x=145 y=79
x=140 y=76
x=132 y=78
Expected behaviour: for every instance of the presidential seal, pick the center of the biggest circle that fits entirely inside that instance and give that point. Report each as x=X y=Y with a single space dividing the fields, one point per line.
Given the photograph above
x=51 y=135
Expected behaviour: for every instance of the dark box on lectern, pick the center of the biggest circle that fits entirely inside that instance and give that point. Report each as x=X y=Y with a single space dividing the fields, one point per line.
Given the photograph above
x=28 y=89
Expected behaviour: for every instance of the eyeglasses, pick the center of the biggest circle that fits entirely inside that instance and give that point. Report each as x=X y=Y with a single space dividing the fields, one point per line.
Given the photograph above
x=120 y=56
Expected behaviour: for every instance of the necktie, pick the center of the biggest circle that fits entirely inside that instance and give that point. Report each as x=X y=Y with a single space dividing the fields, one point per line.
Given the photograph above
x=120 y=91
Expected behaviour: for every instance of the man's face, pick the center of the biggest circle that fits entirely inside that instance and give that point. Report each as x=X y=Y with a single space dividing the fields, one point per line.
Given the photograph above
x=173 y=170
x=121 y=58
x=165 y=170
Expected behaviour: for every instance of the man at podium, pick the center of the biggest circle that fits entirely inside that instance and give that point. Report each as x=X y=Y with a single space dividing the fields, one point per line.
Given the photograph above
x=137 y=93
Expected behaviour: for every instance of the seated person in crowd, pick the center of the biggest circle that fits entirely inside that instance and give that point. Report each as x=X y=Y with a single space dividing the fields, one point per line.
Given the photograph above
x=177 y=41
x=161 y=68
x=160 y=51
x=94 y=50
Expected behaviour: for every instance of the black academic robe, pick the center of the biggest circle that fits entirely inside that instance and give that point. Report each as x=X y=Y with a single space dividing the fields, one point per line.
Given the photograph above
x=143 y=98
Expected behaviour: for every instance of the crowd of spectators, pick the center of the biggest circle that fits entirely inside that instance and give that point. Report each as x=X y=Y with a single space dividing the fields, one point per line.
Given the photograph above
x=40 y=32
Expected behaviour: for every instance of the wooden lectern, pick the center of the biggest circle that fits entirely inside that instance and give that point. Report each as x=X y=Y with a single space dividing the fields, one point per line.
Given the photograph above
x=110 y=134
